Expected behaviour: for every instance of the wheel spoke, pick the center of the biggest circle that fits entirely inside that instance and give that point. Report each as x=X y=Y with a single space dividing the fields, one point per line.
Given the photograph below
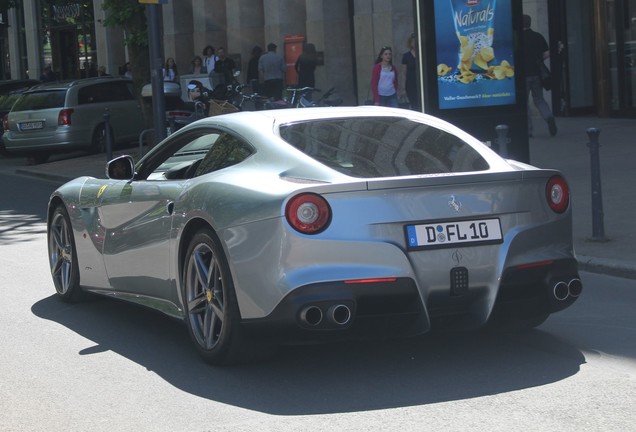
x=57 y=236
x=201 y=269
x=66 y=275
x=197 y=304
x=208 y=328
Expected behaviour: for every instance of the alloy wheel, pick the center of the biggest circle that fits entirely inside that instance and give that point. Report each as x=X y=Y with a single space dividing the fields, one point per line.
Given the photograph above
x=61 y=253
x=204 y=296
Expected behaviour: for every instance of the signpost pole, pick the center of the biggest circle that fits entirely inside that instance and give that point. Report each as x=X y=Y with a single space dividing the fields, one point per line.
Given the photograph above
x=156 y=72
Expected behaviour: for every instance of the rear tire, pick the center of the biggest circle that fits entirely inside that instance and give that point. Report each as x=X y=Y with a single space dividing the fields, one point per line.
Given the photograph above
x=211 y=308
x=63 y=256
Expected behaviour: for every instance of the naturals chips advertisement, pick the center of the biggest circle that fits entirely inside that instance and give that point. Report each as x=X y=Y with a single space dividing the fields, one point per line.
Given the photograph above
x=475 y=66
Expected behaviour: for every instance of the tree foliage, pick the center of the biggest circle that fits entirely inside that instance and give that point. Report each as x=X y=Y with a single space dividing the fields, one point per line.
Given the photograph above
x=130 y=16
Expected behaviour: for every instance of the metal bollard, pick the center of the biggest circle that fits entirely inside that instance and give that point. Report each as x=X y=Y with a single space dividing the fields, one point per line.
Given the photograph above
x=109 y=138
x=598 y=230
x=502 y=139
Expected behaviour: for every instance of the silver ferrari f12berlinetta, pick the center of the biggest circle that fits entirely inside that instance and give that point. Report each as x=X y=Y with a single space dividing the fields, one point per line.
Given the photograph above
x=318 y=224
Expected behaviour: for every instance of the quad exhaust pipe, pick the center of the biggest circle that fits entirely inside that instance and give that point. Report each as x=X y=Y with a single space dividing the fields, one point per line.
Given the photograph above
x=339 y=314
x=336 y=315
x=562 y=290
x=311 y=316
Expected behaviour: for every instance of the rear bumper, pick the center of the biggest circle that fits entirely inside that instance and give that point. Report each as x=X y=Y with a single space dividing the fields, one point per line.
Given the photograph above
x=60 y=140
x=377 y=309
x=395 y=308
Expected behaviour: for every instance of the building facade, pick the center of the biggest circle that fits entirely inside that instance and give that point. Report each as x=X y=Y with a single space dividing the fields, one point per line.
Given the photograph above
x=593 y=43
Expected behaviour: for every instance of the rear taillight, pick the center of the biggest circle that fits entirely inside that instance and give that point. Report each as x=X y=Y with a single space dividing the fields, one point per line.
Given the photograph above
x=308 y=213
x=64 y=117
x=558 y=194
x=5 y=122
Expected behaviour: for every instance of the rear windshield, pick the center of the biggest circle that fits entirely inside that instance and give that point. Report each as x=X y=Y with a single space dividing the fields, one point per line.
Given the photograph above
x=7 y=101
x=382 y=147
x=40 y=100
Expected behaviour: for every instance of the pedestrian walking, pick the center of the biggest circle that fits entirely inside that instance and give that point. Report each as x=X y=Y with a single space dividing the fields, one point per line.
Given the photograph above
x=384 y=79
x=535 y=52
x=408 y=74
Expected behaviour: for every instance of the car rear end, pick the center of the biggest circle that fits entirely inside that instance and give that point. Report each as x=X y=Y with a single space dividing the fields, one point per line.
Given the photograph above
x=39 y=121
x=437 y=231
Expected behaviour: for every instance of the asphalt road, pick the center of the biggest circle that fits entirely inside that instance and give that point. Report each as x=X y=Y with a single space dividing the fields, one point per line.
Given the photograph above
x=109 y=366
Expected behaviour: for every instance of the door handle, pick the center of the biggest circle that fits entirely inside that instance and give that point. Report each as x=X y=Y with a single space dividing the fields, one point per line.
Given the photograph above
x=170 y=207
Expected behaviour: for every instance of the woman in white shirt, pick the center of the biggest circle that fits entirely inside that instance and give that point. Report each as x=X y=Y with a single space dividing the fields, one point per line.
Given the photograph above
x=384 y=79
x=209 y=58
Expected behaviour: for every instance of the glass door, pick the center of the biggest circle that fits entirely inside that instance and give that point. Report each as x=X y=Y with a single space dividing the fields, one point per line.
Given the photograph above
x=621 y=39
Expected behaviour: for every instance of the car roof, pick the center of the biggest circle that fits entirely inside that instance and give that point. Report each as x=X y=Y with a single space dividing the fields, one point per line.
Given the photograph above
x=257 y=123
x=63 y=85
x=8 y=86
x=277 y=117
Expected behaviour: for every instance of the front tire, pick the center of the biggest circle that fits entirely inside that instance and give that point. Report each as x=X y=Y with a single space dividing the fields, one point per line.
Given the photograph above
x=63 y=256
x=212 y=314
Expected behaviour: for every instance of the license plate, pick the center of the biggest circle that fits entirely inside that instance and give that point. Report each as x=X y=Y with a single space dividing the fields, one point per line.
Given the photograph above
x=452 y=234
x=31 y=125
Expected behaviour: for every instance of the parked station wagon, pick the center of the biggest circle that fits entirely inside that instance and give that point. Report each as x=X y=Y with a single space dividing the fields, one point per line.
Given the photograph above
x=64 y=116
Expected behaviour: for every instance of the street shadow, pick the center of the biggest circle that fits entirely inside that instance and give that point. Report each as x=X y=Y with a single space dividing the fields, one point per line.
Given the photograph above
x=22 y=208
x=324 y=379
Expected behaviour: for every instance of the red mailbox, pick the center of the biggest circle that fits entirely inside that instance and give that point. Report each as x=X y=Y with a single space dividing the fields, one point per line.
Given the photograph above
x=293 y=49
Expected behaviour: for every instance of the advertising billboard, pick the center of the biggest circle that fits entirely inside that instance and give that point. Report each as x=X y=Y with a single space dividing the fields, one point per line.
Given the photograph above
x=474 y=53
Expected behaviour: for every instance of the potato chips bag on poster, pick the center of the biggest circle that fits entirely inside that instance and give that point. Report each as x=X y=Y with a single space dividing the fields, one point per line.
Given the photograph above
x=474 y=25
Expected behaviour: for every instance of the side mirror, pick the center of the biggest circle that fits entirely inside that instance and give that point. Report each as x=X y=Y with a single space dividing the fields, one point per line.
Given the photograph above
x=121 y=168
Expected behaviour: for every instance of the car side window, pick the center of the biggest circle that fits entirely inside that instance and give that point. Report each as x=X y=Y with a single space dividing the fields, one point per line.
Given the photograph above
x=104 y=92
x=88 y=94
x=117 y=91
x=182 y=156
x=200 y=151
x=227 y=151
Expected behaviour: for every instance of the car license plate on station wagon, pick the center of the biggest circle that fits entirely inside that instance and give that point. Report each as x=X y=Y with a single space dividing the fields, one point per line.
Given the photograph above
x=452 y=234
x=32 y=125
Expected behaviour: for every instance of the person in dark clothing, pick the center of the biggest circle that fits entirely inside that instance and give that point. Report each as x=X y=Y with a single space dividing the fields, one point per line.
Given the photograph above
x=48 y=75
x=252 y=68
x=535 y=51
x=224 y=66
x=409 y=74
x=306 y=66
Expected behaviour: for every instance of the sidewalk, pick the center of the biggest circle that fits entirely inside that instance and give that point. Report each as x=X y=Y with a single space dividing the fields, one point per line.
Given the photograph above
x=567 y=152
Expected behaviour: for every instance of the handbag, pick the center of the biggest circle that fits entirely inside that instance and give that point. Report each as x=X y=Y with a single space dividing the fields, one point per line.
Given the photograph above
x=546 y=76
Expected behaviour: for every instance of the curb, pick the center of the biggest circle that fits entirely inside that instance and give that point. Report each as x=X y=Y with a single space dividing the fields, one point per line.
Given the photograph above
x=611 y=267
